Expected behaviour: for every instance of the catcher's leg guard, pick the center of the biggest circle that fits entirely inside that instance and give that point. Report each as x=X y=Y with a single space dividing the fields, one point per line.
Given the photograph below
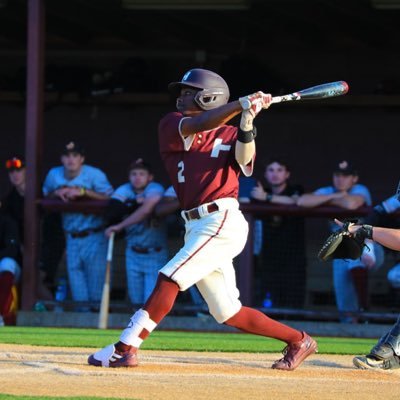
x=389 y=344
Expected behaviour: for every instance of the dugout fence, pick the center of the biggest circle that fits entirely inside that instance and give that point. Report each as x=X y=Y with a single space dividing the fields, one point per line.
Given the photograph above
x=319 y=299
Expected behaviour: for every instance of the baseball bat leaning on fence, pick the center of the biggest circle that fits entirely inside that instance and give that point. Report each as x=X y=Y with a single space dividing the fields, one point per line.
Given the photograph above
x=105 y=298
x=323 y=91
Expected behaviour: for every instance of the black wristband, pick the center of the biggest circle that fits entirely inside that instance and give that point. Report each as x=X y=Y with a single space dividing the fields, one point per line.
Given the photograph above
x=246 y=136
x=367 y=231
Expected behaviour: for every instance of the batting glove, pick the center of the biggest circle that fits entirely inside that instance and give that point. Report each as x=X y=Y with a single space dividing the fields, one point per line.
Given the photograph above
x=252 y=105
x=256 y=102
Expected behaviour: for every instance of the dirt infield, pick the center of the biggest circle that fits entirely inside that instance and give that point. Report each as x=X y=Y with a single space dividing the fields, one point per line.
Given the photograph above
x=60 y=371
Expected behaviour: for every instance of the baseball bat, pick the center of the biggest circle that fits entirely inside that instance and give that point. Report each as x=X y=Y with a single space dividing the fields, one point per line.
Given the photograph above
x=105 y=297
x=326 y=90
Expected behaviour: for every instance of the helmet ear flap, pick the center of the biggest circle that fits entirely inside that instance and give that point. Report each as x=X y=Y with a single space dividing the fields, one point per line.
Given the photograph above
x=208 y=99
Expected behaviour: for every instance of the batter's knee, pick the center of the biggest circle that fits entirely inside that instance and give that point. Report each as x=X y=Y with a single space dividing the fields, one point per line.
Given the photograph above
x=222 y=314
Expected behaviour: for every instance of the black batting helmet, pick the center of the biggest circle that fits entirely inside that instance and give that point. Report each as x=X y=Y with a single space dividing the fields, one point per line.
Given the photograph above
x=214 y=91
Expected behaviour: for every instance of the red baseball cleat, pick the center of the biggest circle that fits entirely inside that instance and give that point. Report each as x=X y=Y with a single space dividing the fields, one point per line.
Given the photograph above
x=110 y=357
x=295 y=353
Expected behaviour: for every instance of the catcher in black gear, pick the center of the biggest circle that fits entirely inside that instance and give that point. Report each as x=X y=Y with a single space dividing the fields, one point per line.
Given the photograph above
x=385 y=355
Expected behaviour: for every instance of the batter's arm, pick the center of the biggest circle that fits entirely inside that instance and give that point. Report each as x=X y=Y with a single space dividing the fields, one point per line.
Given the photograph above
x=211 y=119
x=244 y=152
x=245 y=146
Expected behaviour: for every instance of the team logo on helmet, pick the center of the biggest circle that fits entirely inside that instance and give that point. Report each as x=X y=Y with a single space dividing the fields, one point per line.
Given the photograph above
x=186 y=76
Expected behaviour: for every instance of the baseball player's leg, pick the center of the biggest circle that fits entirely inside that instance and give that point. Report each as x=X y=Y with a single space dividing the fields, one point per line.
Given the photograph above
x=9 y=274
x=206 y=239
x=220 y=293
x=385 y=354
x=142 y=323
x=94 y=248
x=76 y=272
x=6 y=283
x=209 y=243
x=389 y=343
x=197 y=299
x=345 y=293
x=222 y=296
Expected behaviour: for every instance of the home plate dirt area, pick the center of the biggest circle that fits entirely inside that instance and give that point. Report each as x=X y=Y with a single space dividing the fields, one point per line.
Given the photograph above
x=61 y=371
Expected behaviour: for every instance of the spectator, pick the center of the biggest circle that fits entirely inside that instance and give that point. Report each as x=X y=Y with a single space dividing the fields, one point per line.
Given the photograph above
x=86 y=243
x=10 y=270
x=283 y=261
x=350 y=277
x=13 y=202
x=146 y=236
x=13 y=206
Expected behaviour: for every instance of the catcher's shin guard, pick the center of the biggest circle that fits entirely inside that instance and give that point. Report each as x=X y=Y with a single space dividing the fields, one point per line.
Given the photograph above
x=389 y=343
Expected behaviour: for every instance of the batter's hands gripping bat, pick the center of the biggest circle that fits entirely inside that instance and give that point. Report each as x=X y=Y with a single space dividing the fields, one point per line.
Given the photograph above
x=105 y=298
x=323 y=91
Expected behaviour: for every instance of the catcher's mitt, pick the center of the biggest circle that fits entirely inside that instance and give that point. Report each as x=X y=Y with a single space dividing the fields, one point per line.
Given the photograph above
x=342 y=244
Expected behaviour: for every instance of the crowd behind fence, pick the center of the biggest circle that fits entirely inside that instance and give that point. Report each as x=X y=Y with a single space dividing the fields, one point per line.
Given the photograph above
x=319 y=299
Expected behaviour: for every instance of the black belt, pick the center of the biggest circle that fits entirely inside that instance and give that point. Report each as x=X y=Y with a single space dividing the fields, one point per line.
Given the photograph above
x=195 y=214
x=146 y=250
x=86 y=232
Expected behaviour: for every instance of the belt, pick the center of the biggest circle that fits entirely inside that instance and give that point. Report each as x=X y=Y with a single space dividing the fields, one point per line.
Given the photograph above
x=194 y=213
x=86 y=232
x=146 y=250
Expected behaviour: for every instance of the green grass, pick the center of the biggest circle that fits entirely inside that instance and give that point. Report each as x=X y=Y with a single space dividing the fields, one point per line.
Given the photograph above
x=168 y=340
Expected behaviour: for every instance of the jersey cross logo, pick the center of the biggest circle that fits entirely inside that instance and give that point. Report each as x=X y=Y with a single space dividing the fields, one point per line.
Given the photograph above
x=218 y=146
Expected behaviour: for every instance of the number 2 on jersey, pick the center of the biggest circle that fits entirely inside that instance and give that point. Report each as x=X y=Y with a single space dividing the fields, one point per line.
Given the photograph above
x=181 y=168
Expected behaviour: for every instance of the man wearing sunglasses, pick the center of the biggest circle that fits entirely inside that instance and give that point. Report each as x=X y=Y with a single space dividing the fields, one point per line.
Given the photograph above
x=13 y=203
x=13 y=206
x=11 y=227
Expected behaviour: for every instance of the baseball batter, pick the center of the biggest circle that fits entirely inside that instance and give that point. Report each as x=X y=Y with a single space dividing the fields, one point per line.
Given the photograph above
x=204 y=157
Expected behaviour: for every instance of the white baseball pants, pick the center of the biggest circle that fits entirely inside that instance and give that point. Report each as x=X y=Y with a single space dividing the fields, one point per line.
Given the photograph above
x=211 y=243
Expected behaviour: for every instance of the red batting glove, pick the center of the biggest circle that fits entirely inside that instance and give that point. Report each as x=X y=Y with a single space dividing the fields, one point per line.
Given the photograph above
x=255 y=102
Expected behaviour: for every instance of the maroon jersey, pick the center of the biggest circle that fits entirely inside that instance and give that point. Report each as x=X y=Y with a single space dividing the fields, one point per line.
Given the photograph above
x=207 y=170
